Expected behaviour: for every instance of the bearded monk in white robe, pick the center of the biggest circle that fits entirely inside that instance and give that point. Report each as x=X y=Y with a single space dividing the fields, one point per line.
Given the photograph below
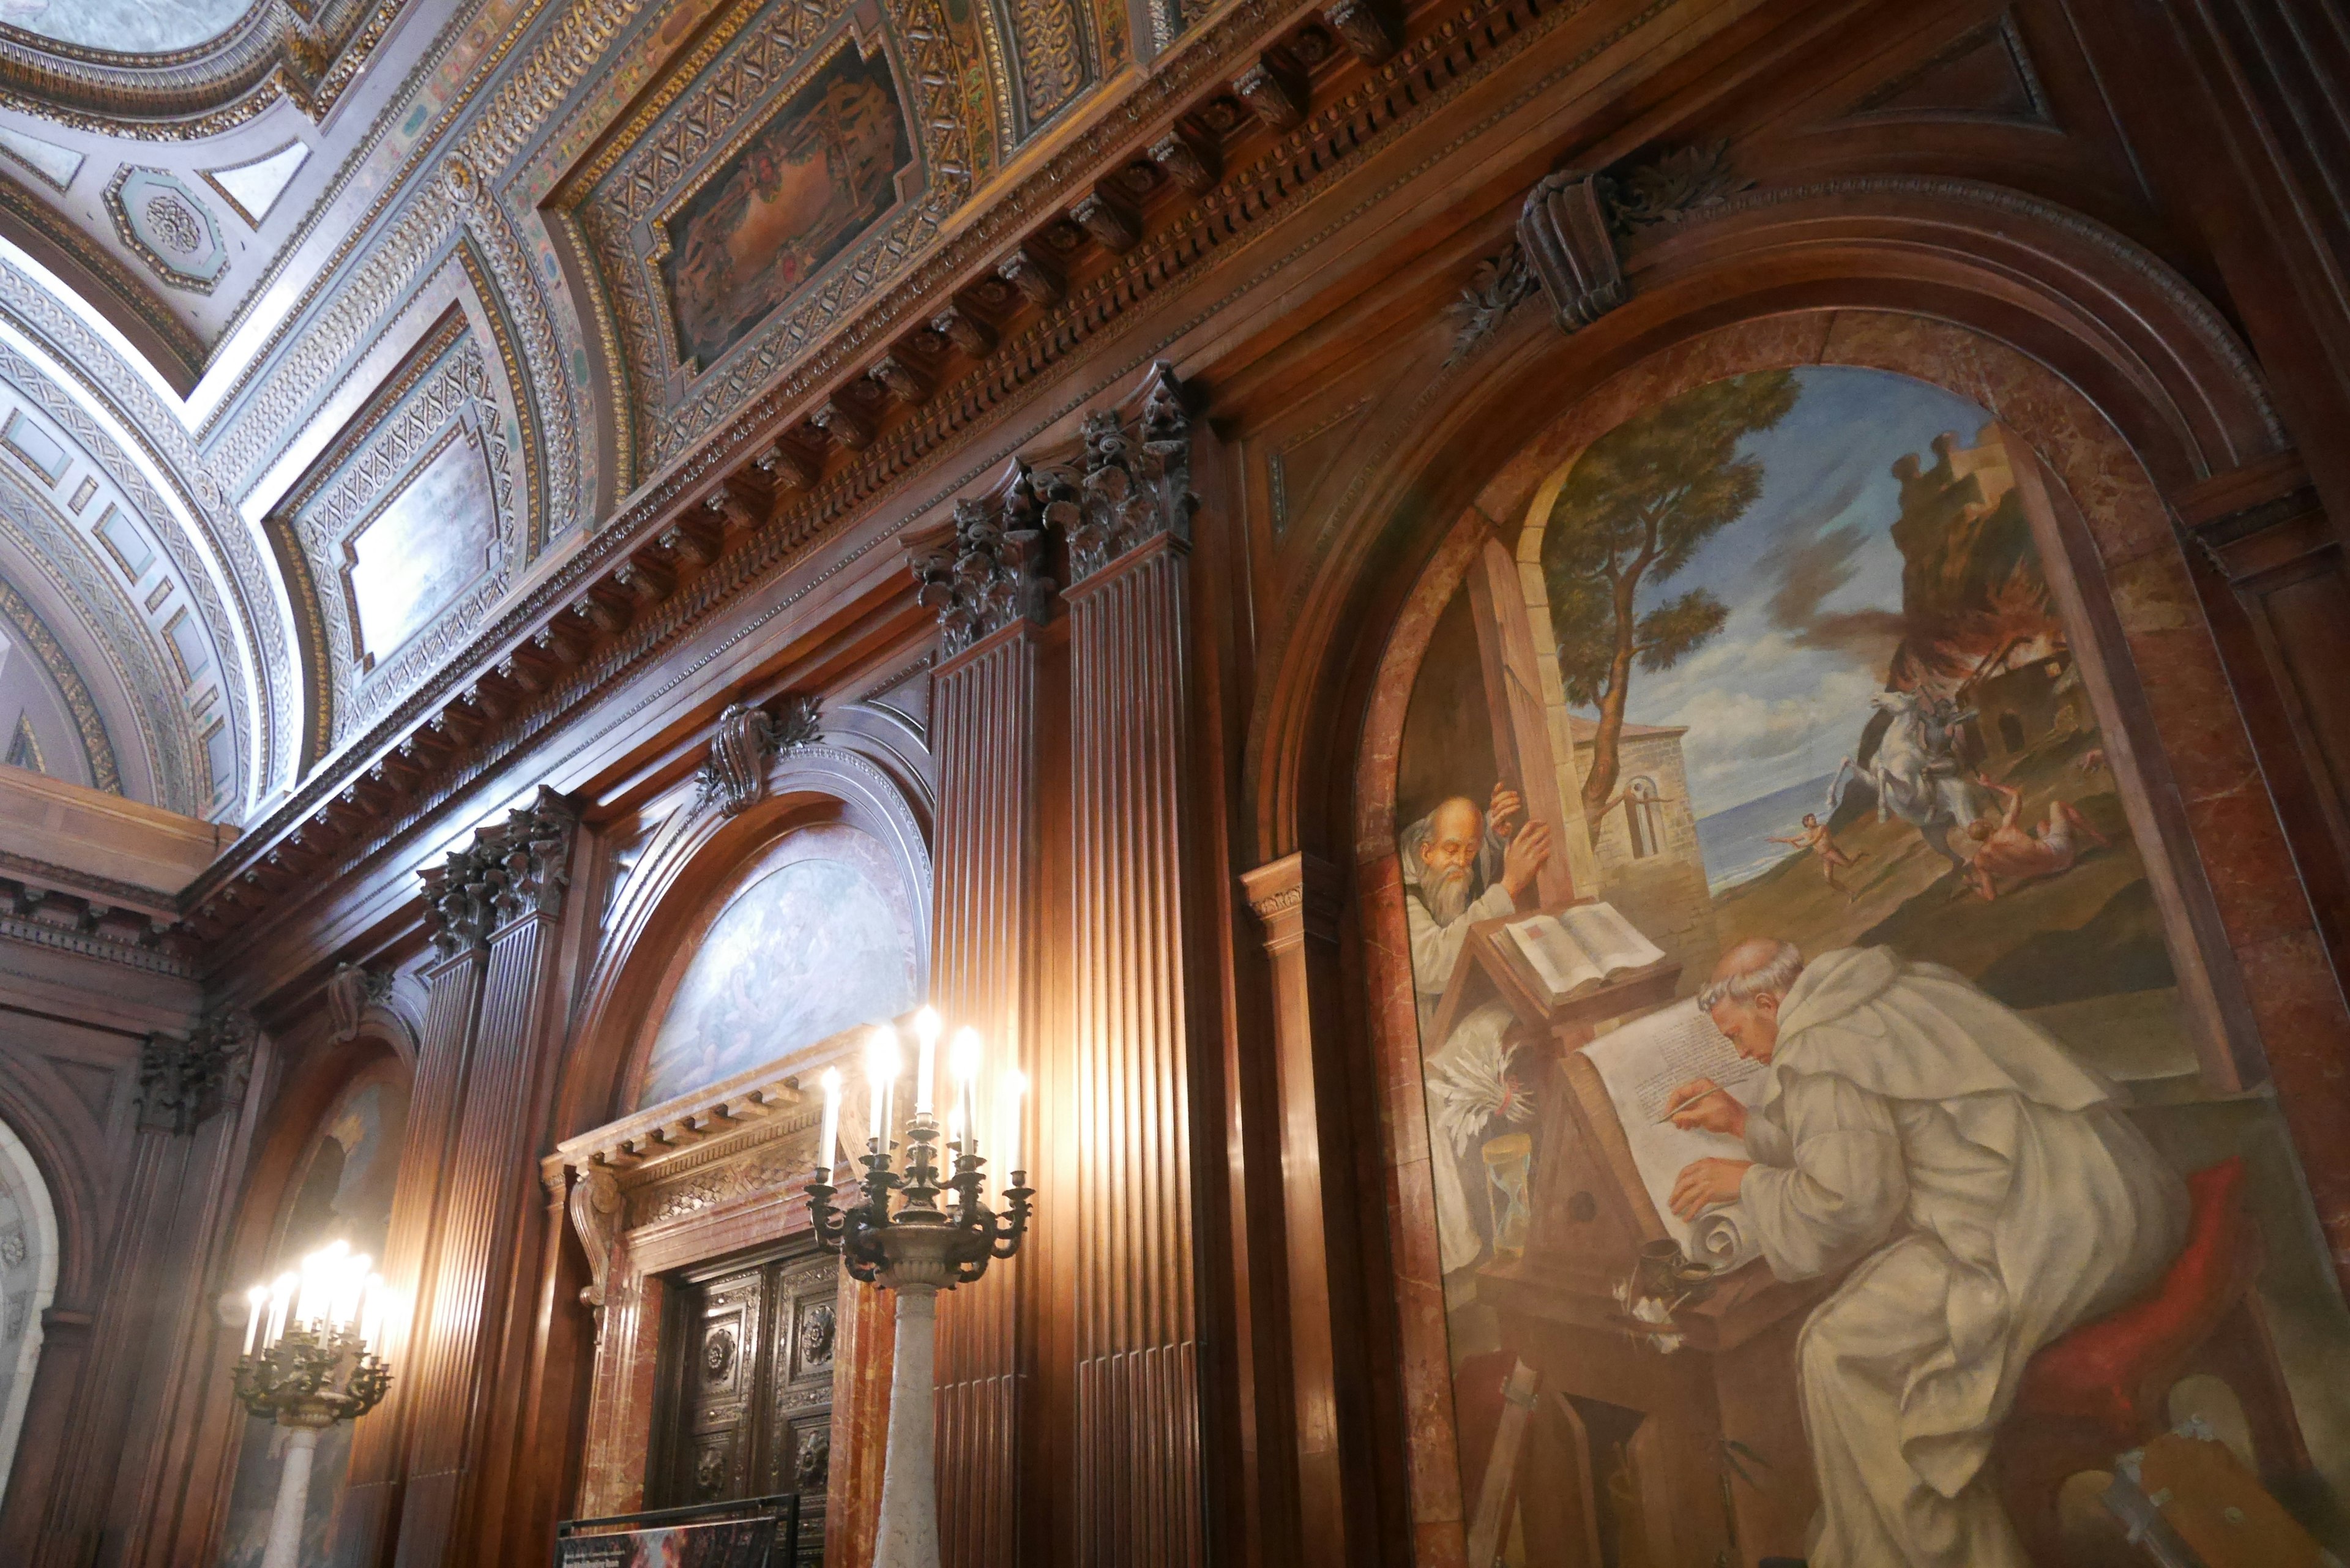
x=1983 y=1186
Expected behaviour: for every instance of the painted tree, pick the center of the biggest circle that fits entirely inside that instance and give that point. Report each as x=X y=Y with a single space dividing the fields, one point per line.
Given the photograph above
x=1634 y=510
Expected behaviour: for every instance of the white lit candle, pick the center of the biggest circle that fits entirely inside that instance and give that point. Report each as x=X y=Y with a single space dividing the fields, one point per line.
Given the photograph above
x=829 y=1139
x=281 y=1297
x=348 y=1290
x=258 y=1298
x=963 y=1061
x=371 y=1313
x=926 y=1061
x=881 y=1072
x=954 y=1129
x=1015 y=1086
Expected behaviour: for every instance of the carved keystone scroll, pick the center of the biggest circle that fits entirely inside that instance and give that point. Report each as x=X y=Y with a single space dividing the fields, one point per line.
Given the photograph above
x=1563 y=232
x=735 y=775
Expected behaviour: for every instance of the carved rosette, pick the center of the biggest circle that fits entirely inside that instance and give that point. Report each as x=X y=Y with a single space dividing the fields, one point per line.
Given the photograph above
x=184 y=1079
x=993 y=573
x=1134 y=485
x=513 y=868
x=735 y=773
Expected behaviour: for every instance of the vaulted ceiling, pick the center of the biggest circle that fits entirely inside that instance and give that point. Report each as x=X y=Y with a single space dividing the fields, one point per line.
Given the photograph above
x=324 y=331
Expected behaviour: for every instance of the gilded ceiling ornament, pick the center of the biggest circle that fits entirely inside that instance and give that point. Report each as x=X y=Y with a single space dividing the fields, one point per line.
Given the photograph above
x=160 y=219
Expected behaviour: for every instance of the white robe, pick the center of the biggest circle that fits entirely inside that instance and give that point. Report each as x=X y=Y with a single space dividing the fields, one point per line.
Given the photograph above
x=1995 y=1197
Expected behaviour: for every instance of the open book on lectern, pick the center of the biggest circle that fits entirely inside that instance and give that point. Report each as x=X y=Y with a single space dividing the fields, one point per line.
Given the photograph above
x=1640 y=1064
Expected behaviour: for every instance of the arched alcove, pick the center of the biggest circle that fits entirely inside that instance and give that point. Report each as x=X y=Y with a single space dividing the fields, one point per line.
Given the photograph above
x=2083 y=498
x=28 y=1281
x=327 y=1173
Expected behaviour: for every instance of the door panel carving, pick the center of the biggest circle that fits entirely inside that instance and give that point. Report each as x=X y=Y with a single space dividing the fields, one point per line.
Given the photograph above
x=748 y=1387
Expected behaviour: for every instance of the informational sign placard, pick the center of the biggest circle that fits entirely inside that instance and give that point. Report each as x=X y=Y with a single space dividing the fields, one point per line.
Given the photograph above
x=736 y=1543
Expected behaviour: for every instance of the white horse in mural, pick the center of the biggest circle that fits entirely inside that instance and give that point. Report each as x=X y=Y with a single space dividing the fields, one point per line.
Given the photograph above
x=1909 y=760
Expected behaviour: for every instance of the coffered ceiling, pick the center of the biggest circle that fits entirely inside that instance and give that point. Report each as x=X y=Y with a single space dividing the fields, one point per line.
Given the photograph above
x=360 y=314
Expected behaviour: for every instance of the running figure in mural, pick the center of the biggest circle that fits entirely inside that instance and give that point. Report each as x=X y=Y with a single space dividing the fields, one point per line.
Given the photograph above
x=1986 y=1192
x=1815 y=837
x=2025 y=854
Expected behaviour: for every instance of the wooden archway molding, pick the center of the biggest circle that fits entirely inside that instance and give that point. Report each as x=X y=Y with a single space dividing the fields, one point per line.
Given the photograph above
x=694 y=856
x=2107 y=367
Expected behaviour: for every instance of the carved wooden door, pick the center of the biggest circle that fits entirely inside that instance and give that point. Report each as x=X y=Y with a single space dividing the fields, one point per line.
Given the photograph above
x=748 y=1387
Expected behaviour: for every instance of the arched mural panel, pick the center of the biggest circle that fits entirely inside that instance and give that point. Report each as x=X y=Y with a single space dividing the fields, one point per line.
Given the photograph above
x=817 y=935
x=1778 y=599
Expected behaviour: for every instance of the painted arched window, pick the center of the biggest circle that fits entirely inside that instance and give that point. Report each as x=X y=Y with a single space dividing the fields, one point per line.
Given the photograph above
x=28 y=1278
x=1644 y=814
x=818 y=935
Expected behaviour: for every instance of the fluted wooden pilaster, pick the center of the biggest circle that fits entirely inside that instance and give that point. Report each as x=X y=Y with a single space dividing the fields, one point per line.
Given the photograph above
x=452 y=988
x=1137 y=1461
x=983 y=702
x=492 y=1178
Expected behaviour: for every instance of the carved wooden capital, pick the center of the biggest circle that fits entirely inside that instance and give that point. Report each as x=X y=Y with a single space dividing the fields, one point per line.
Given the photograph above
x=1293 y=897
x=1563 y=232
x=1133 y=484
x=182 y=1080
x=512 y=868
x=992 y=572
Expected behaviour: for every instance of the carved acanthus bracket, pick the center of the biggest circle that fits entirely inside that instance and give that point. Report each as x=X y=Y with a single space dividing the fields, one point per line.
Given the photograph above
x=1567 y=235
x=1562 y=233
x=736 y=774
x=183 y=1080
x=1133 y=485
x=350 y=991
x=993 y=571
x=595 y=1209
x=513 y=868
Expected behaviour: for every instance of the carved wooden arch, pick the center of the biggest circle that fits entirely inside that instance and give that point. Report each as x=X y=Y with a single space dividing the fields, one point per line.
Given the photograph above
x=322 y=1069
x=63 y=1139
x=693 y=861
x=2150 y=358
x=2112 y=440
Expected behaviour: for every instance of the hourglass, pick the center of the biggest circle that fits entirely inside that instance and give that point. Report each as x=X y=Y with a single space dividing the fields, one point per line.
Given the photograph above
x=1506 y=1159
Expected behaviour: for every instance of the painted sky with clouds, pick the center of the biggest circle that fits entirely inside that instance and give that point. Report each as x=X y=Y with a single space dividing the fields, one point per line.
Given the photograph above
x=1780 y=694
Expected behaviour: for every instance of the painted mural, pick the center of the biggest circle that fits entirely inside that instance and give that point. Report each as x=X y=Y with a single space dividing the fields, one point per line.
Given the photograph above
x=799 y=190
x=1829 y=1162
x=818 y=939
x=342 y=1190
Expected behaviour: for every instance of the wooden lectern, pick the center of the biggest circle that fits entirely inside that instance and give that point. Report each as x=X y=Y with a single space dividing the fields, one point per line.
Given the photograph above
x=1733 y=1379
